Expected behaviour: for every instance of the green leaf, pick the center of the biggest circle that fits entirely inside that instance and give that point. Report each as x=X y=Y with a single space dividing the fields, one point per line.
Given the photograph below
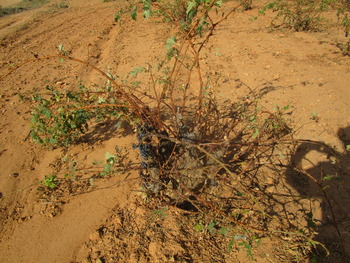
x=135 y=84
x=170 y=42
x=230 y=245
x=118 y=125
x=348 y=147
x=34 y=119
x=171 y=51
x=146 y=4
x=109 y=156
x=329 y=177
x=116 y=17
x=73 y=125
x=286 y=107
x=200 y=30
x=60 y=48
x=199 y=226
x=47 y=112
x=255 y=134
x=190 y=6
x=136 y=71
x=146 y=14
x=310 y=221
x=50 y=181
x=21 y=97
x=224 y=231
x=134 y=13
x=107 y=168
x=218 y=3
x=53 y=141
x=147 y=9
x=101 y=100
x=160 y=212
x=211 y=227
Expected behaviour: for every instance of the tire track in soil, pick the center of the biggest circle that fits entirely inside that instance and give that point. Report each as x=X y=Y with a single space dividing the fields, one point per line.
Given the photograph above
x=72 y=28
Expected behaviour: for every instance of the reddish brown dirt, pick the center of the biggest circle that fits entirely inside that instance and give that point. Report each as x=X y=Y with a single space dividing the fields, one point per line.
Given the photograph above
x=99 y=222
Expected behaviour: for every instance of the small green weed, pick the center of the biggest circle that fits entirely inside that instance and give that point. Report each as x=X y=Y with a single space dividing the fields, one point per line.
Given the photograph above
x=111 y=161
x=304 y=15
x=117 y=15
x=237 y=240
x=199 y=226
x=170 y=47
x=300 y=15
x=212 y=227
x=315 y=116
x=160 y=212
x=63 y=4
x=247 y=245
x=61 y=117
x=330 y=177
x=71 y=166
x=50 y=181
x=54 y=123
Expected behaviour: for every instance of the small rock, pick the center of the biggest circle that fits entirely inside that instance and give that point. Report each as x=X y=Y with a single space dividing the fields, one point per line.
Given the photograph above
x=22 y=219
x=14 y=175
x=270 y=189
x=275 y=77
x=270 y=181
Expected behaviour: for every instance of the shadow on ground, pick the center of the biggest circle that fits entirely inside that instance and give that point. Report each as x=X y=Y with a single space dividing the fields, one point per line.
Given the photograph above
x=319 y=172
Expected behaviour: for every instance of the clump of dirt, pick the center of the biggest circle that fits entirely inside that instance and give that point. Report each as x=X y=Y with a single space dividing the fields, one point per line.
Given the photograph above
x=144 y=235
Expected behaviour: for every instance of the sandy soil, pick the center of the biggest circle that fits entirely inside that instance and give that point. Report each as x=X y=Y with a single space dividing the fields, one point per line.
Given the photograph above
x=5 y=3
x=305 y=70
